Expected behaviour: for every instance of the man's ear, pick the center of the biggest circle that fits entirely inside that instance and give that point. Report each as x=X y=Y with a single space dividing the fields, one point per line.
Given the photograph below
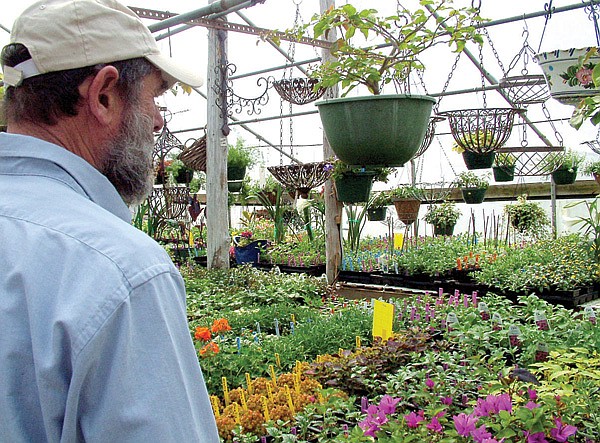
x=102 y=97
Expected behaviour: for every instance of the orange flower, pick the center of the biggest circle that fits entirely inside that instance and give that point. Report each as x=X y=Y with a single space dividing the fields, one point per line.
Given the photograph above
x=202 y=334
x=210 y=348
x=220 y=325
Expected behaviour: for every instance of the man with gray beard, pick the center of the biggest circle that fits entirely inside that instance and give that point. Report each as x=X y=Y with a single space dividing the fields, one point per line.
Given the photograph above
x=95 y=345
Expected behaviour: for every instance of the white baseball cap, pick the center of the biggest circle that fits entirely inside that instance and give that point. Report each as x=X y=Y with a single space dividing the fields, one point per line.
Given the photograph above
x=70 y=34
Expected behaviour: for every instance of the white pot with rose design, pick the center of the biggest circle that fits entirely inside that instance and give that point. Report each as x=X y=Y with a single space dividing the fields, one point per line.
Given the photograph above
x=568 y=73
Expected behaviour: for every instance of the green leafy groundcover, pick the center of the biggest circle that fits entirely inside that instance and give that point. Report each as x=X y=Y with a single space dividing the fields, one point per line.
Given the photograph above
x=455 y=370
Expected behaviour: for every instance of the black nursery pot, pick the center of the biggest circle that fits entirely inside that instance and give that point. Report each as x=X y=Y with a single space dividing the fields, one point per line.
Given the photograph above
x=504 y=173
x=474 y=160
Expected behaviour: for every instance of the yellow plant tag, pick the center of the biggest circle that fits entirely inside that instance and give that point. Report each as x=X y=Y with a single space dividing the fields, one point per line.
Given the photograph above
x=383 y=318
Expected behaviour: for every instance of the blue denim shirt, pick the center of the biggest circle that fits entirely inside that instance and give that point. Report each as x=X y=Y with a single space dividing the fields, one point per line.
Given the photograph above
x=94 y=344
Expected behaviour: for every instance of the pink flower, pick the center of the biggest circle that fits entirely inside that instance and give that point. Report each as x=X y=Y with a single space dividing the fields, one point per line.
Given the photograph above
x=538 y=437
x=531 y=405
x=413 y=420
x=388 y=404
x=492 y=405
x=464 y=424
x=532 y=394
x=435 y=425
x=446 y=400
x=584 y=75
x=562 y=431
x=480 y=434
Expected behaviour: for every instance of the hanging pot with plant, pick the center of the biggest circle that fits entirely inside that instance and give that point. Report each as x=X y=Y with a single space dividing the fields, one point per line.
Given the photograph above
x=568 y=73
x=563 y=166
x=353 y=185
x=593 y=169
x=377 y=206
x=443 y=217
x=407 y=203
x=504 y=167
x=239 y=158
x=472 y=186
x=383 y=130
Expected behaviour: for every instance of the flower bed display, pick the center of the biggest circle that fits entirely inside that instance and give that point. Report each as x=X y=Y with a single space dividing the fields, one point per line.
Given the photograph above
x=458 y=368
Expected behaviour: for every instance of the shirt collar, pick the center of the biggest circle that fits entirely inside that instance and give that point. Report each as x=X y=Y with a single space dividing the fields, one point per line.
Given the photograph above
x=83 y=177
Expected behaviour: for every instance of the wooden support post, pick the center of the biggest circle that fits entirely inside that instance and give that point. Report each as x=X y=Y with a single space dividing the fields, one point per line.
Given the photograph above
x=333 y=208
x=217 y=210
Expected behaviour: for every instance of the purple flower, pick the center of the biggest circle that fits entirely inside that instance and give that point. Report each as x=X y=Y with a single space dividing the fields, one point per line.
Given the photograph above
x=435 y=425
x=480 y=434
x=388 y=404
x=532 y=394
x=464 y=424
x=562 y=431
x=446 y=400
x=538 y=437
x=413 y=420
x=429 y=383
x=492 y=405
x=328 y=167
x=531 y=405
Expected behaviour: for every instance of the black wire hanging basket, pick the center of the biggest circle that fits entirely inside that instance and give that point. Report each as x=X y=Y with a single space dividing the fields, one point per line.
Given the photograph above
x=302 y=177
x=481 y=130
x=525 y=90
x=535 y=160
x=298 y=90
x=594 y=145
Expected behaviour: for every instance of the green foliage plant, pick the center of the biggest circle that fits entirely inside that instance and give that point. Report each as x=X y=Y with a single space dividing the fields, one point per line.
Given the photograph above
x=527 y=217
x=592 y=168
x=568 y=160
x=380 y=199
x=589 y=107
x=340 y=168
x=591 y=225
x=405 y=191
x=443 y=214
x=400 y=40
x=505 y=159
x=239 y=155
x=469 y=179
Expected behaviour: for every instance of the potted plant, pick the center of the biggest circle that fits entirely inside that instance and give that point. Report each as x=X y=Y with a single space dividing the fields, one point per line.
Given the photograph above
x=246 y=248
x=593 y=168
x=527 y=217
x=443 y=217
x=382 y=129
x=472 y=159
x=352 y=184
x=406 y=202
x=569 y=75
x=239 y=158
x=563 y=166
x=472 y=186
x=377 y=206
x=503 y=167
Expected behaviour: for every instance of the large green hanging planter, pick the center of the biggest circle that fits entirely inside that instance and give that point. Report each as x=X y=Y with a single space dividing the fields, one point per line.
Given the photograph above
x=354 y=187
x=474 y=160
x=379 y=130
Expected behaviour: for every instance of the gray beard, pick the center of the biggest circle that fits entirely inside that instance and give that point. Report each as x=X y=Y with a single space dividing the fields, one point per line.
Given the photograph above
x=129 y=165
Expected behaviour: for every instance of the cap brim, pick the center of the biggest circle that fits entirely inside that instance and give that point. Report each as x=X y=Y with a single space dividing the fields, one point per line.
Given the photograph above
x=174 y=73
